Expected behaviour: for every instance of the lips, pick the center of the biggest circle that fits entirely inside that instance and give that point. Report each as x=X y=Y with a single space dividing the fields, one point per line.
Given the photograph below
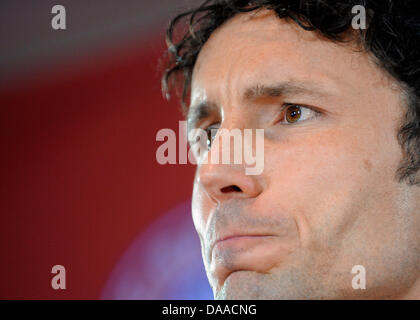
x=236 y=239
x=235 y=244
x=232 y=240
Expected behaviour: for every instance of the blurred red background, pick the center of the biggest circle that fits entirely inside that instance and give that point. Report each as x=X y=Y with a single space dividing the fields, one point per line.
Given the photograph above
x=79 y=177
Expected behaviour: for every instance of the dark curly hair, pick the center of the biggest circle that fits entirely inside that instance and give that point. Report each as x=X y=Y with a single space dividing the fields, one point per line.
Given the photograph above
x=392 y=37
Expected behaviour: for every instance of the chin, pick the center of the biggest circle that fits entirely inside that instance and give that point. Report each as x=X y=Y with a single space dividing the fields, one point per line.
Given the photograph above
x=243 y=285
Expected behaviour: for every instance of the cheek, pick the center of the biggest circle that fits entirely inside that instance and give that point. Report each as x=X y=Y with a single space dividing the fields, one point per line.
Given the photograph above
x=308 y=162
x=201 y=206
x=325 y=175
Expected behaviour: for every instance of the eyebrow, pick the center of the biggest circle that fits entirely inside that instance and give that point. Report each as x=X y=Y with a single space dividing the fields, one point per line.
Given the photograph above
x=283 y=89
x=200 y=111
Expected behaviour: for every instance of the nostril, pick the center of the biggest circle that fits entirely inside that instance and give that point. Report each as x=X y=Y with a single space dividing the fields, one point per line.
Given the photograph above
x=231 y=189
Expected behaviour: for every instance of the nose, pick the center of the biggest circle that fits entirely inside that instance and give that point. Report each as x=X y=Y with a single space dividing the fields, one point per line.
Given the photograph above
x=226 y=181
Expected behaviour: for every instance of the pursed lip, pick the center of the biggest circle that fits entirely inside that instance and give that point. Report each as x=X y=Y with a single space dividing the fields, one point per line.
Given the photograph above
x=235 y=236
x=240 y=247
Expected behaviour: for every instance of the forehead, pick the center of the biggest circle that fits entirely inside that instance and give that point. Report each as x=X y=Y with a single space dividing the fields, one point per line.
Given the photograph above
x=260 y=46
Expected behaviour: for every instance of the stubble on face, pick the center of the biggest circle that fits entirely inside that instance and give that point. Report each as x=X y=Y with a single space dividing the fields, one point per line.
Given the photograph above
x=329 y=192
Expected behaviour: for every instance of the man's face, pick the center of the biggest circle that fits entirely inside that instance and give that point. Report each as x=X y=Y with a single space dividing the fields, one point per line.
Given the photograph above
x=327 y=199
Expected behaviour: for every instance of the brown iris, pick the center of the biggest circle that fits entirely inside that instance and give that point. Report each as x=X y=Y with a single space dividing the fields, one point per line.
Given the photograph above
x=293 y=114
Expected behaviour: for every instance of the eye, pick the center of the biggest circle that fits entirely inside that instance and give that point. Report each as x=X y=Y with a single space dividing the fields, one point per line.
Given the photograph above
x=293 y=113
x=211 y=132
